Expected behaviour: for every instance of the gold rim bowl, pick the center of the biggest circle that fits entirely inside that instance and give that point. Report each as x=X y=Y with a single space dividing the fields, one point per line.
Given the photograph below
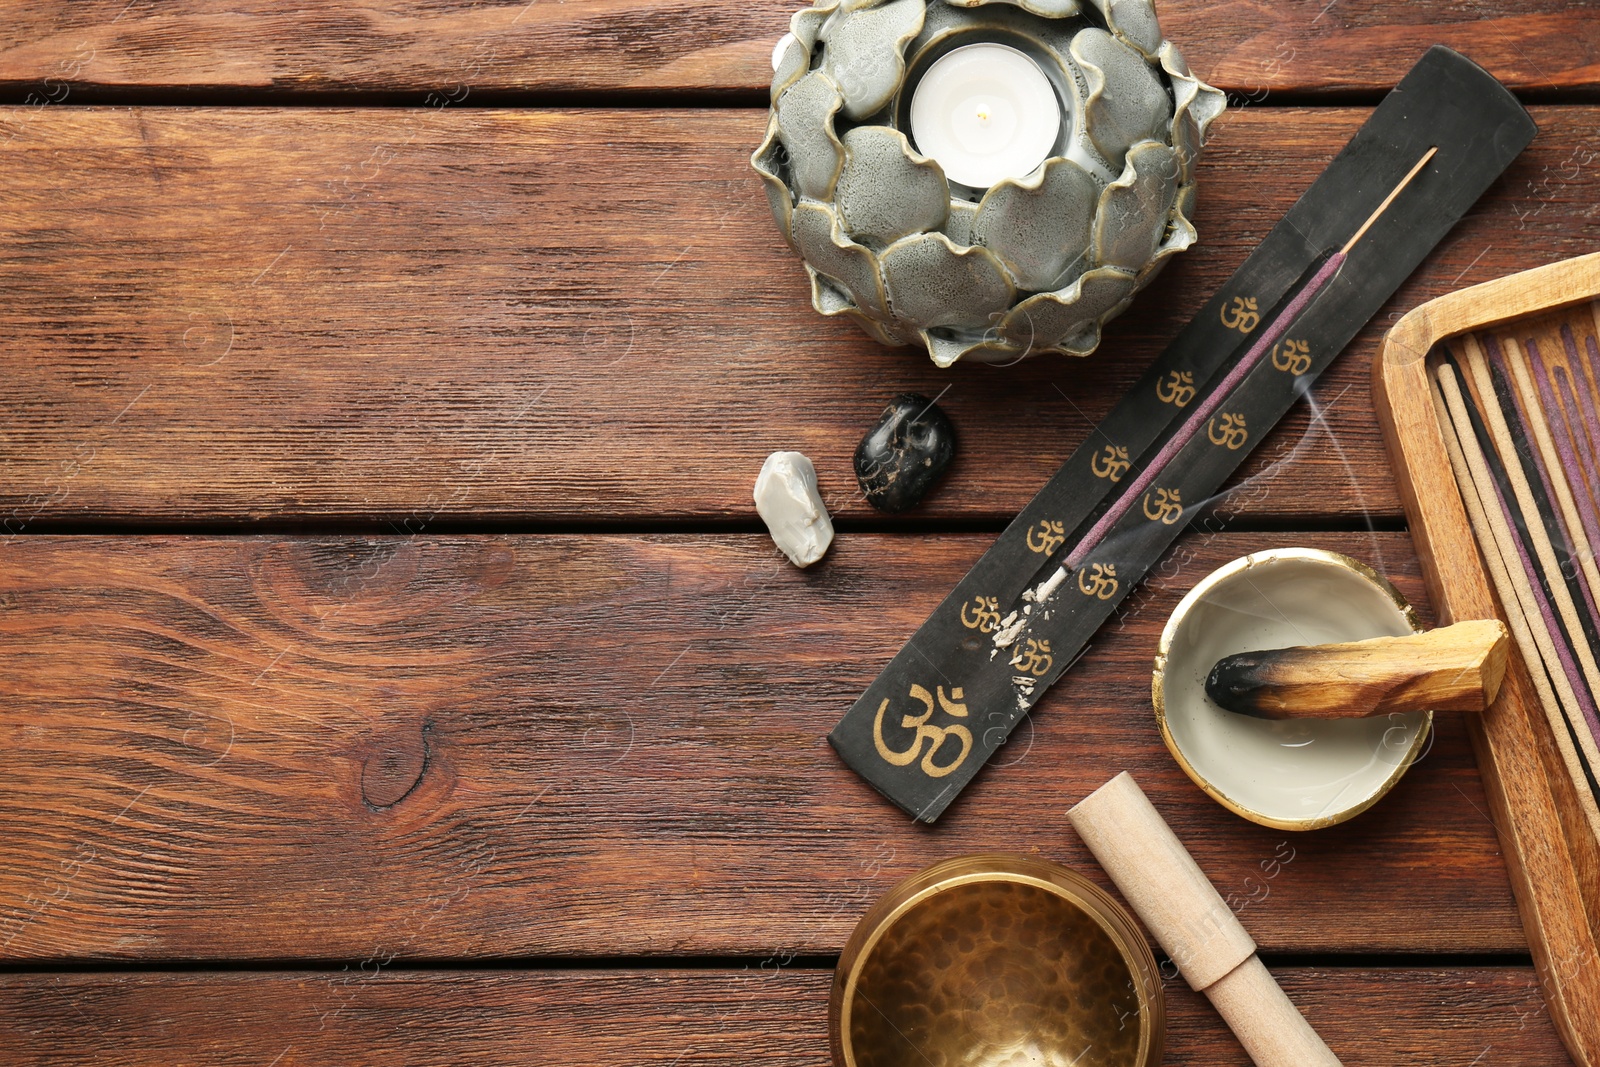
x=992 y=960
x=1291 y=774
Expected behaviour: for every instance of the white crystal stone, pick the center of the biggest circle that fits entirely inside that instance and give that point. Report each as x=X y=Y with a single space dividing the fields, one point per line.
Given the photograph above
x=788 y=502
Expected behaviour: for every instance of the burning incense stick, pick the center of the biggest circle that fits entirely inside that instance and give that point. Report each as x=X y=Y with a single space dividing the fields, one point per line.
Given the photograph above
x=1231 y=381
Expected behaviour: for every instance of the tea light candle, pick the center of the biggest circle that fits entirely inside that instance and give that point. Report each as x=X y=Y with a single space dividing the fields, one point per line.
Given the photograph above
x=985 y=112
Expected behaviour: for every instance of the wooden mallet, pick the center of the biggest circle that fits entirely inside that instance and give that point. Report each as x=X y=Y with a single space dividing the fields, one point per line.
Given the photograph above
x=1454 y=668
x=1194 y=926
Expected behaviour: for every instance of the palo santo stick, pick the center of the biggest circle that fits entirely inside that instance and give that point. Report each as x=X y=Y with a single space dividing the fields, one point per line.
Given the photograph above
x=1198 y=931
x=1493 y=536
x=1454 y=668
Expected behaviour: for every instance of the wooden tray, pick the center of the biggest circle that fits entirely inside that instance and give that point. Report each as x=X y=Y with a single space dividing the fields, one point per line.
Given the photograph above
x=1550 y=850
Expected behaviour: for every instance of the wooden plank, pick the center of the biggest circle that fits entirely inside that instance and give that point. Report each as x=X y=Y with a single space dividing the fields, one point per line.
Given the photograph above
x=768 y=1015
x=536 y=746
x=411 y=317
x=453 y=51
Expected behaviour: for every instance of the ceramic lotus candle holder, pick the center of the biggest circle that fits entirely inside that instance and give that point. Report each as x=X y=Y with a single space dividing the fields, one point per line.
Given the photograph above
x=1035 y=262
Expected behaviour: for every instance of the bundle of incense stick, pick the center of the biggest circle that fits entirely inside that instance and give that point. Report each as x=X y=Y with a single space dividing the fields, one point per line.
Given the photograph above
x=1518 y=411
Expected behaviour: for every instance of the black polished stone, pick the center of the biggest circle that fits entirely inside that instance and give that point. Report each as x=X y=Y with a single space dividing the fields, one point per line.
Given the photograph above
x=901 y=457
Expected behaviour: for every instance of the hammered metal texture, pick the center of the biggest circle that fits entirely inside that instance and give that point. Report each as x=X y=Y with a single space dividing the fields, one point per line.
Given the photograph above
x=1037 y=263
x=995 y=974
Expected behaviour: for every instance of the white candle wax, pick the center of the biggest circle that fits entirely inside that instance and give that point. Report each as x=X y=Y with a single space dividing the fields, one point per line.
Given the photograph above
x=985 y=112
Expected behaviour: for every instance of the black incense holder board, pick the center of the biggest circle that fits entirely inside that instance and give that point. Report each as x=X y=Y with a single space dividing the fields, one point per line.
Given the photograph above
x=1015 y=623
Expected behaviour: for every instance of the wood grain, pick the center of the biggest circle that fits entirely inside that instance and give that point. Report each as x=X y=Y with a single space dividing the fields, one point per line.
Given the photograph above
x=454 y=50
x=260 y=748
x=415 y=317
x=769 y=1015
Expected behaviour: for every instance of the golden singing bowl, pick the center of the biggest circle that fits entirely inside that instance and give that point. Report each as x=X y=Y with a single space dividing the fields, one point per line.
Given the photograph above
x=997 y=961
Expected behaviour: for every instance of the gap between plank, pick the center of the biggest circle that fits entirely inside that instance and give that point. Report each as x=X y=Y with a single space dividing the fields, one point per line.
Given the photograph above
x=18 y=94
x=1299 y=960
x=704 y=527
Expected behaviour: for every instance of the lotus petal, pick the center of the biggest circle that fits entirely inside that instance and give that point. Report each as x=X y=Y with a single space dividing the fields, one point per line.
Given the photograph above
x=1135 y=208
x=958 y=227
x=942 y=20
x=827 y=296
x=1185 y=204
x=886 y=190
x=807 y=23
x=768 y=167
x=1197 y=106
x=1039 y=226
x=946 y=347
x=792 y=66
x=1127 y=102
x=1186 y=141
x=930 y=282
x=945 y=351
x=1050 y=9
x=1206 y=102
x=881 y=332
x=1134 y=22
x=830 y=300
x=1179 y=237
x=829 y=250
x=865 y=54
x=805 y=124
x=1073 y=83
x=1070 y=319
x=988 y=349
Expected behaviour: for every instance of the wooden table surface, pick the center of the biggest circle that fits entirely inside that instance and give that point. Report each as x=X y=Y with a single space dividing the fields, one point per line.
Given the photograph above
x=394 y=668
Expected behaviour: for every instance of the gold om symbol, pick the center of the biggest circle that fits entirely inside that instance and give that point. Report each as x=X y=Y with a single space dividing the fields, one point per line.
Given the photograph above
x=1035 y=659
x=1099 y=581
x=1176 y=389
x=1292 y=356
x=1242 y=316
x=1167 y=504
x=1113 y=463
x=1051 y=536
x=936 y=734
x=1230 y=431
x=985 y=614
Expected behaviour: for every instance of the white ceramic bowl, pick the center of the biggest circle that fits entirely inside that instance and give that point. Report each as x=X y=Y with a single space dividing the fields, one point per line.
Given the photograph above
x=1293 y=774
